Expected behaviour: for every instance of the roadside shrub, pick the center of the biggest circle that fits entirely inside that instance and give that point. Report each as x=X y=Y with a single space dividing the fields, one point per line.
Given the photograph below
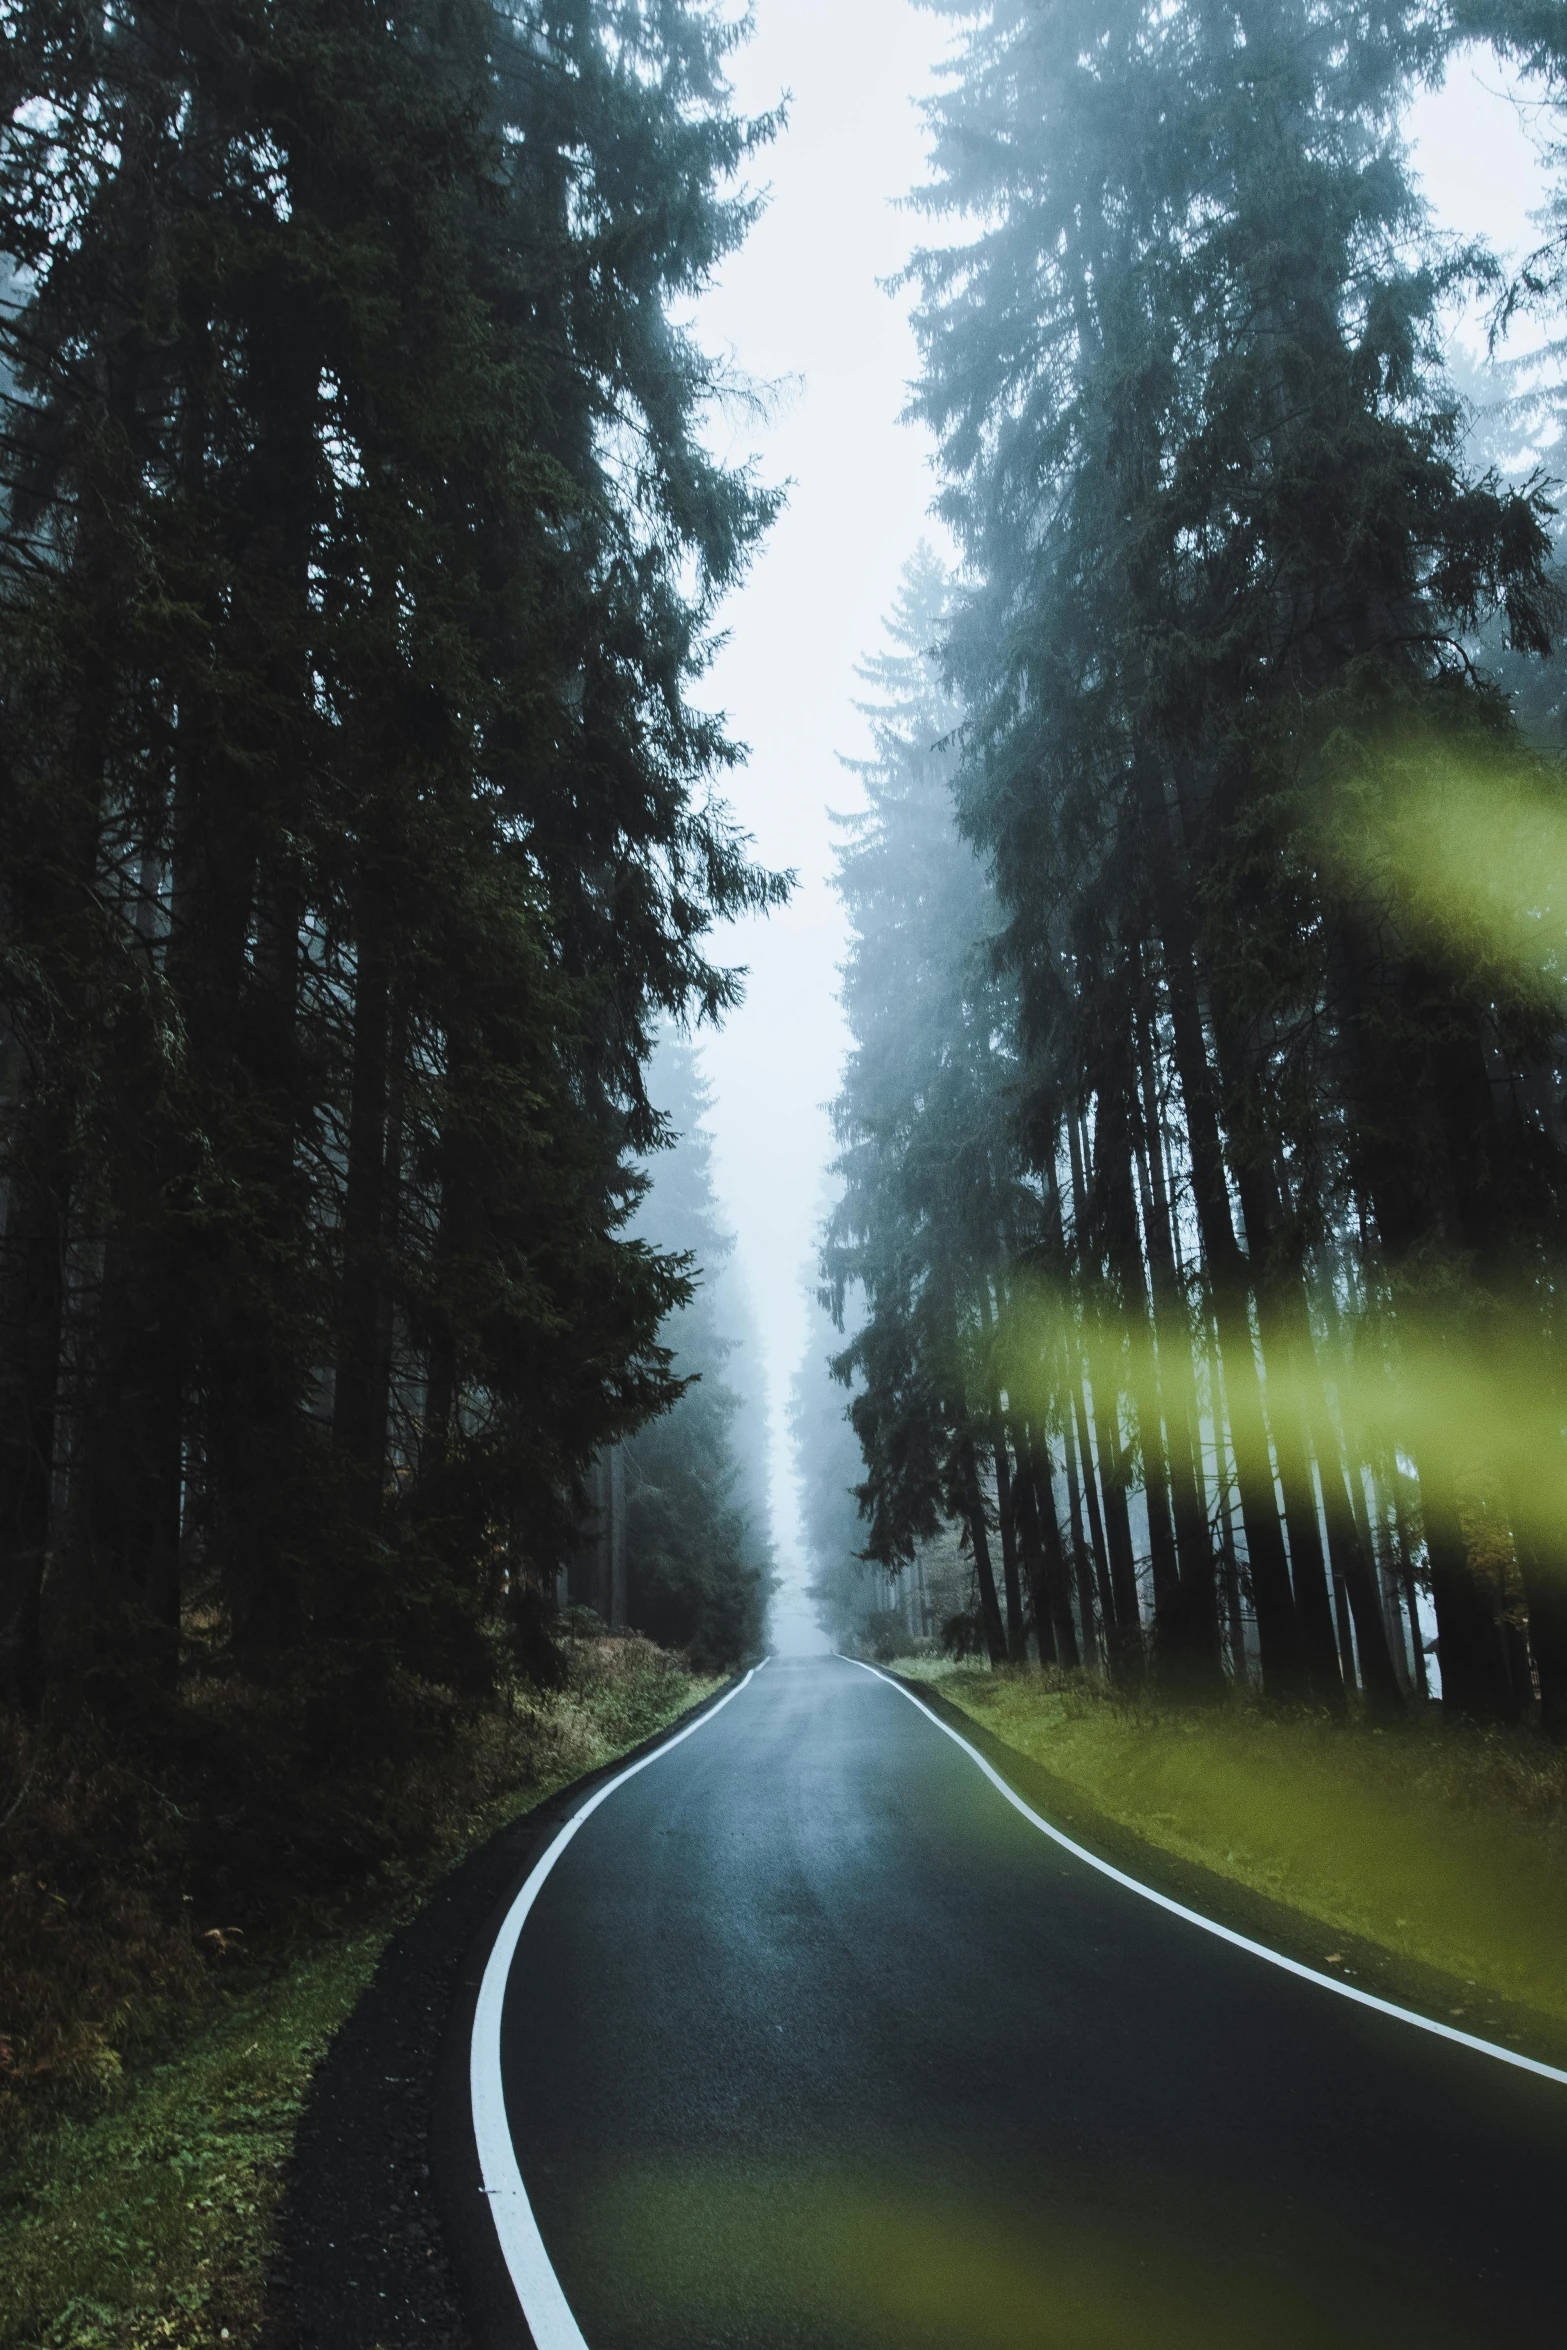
x=147 y=1872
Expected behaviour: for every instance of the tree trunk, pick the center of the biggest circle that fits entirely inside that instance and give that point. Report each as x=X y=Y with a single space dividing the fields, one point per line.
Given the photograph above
x=124 y=1515
x=255 y=1423
x=1188 y=1638
x=1287 y=1346
x=1105 y=1590
x=1420 y=1102
x=1355 y=1574
x=1039 y=1482
x=262 y=1440
x=1404 y=1550
x=974 y=1511
x=359 y=1402
x=1124 y=1624
x=1017 y=1646
x=31 y=1262
x=1031 y=1546
x=1235 y=1613
x=1475 y=1681
x=1085 y=1557
x=1113 y=1177
x=1278 y=1636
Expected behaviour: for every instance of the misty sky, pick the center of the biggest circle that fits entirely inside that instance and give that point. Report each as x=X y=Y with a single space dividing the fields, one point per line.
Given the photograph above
x=800 y=307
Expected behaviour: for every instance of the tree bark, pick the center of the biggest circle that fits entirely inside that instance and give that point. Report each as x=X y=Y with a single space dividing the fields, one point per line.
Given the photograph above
x=1084 y=1555
x=31 y=1302
x=1278 y=1635
x=1017 y=1646
x=1355 y=1575
x=1031 y=1546
x=1420 y=1108
x=1125 y=1621
x=359 y=1401
x=1039 y=1483
x=1188 y=1638
x=974 y=1511
x=1475 y=1681
x=1290 y=1353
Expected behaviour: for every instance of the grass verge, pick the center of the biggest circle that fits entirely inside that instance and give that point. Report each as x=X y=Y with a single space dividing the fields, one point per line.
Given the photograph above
x=1444 y=1845
x=146 y=2216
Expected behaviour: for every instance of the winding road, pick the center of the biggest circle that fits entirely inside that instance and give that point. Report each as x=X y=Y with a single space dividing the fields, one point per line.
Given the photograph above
x=802 y=2034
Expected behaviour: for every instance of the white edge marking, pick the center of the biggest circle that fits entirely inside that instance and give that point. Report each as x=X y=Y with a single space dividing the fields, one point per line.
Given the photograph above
x=1291 y=1966
x=537 y=2287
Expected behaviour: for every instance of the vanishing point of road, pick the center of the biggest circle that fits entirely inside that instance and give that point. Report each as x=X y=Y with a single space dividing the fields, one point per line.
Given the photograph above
x=809 y=2040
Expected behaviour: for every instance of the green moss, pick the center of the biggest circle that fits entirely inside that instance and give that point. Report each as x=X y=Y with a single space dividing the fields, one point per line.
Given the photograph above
x=149 y=2222
x=1445 y=1845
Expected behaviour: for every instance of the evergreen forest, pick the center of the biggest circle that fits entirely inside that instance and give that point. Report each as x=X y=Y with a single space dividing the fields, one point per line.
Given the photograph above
x=359 y=549
x=1201 y=1227
x=384 y=1423
x=699 y=1551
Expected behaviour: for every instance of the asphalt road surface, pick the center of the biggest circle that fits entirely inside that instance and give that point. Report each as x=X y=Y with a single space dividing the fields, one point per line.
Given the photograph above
x=809 y=2038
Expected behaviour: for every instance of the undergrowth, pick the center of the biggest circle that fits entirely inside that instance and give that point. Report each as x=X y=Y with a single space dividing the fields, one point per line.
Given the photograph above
x=1443 y=1843
x=164 y=2007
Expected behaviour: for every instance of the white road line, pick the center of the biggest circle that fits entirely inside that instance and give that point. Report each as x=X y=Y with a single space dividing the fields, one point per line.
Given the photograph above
x=537 y=2287
x=1291 y=1966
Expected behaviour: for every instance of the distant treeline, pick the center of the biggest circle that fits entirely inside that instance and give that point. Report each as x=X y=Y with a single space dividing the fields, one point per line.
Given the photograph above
x=358 y=548
x=699 y=1553
x=1204 y=1142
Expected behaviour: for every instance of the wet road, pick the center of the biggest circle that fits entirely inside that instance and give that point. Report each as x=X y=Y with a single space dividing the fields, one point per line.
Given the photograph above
x=810 y=2039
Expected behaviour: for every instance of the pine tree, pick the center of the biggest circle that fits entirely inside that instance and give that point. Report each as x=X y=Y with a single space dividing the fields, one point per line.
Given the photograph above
x=360 y=547
x=829 y=1468
x=922 y=1221
x=698 y=1553
x=1209 y=481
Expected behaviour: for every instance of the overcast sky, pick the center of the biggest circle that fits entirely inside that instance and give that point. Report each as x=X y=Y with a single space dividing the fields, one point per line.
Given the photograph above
x=800 y=306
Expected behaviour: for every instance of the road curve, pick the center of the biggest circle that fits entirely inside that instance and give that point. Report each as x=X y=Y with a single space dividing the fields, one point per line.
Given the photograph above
x=809 y=2041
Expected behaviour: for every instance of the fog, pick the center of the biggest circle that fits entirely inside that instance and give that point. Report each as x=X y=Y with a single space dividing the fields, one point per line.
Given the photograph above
x=800 y=309
x=804 y=310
